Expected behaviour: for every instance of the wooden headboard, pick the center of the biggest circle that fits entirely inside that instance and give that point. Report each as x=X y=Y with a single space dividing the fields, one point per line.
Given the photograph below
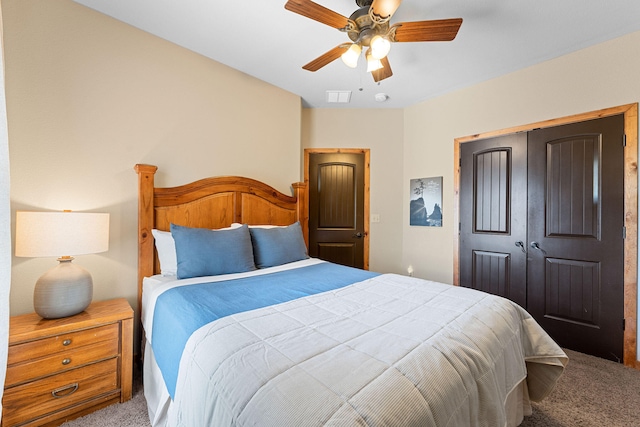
x=210 y=203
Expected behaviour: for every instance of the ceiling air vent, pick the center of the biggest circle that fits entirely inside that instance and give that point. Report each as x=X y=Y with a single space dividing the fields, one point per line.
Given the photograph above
x=338 y=96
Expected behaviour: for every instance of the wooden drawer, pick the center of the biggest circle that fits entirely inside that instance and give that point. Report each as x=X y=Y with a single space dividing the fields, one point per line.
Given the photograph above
x=38 y=398
x=58 y=362
x=63 y=342
x=60 y=369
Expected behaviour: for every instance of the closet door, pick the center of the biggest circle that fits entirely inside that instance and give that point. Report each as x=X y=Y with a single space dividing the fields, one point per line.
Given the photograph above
x=560 y=191
x=493 y=212
x=576 y=234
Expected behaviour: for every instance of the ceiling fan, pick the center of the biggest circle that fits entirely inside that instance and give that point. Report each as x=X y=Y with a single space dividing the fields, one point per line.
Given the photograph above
x=368 y=27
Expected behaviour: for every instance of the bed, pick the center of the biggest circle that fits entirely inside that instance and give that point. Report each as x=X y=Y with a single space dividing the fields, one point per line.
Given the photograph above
x=241 y=327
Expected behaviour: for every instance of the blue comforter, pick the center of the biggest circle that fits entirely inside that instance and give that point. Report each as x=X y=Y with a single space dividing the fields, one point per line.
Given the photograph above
x=182 y=310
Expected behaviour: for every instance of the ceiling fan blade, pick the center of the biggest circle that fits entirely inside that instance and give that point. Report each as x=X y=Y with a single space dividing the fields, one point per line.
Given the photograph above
x=383 y=9
x=440 y=30
x=383 y=72
x=326 y=58
x=317 y=13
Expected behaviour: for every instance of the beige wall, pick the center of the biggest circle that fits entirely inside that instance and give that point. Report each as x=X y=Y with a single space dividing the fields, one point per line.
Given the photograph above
x=382 y=132
x=88 y=97
x=599 y=77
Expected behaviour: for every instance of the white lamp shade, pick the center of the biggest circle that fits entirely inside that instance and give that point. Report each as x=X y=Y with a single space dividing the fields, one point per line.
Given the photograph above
x=350 y=57
x=373 y=64
x=45 y=234
x=380 y=47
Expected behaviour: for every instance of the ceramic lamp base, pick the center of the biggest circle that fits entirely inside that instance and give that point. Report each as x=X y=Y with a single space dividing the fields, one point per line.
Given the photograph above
x=65 y=290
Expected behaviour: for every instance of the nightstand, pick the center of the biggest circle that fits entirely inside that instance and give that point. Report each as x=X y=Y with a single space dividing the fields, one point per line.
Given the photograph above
x=60 y=369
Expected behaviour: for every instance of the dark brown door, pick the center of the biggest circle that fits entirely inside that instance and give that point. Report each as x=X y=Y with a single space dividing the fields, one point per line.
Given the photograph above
x=336 y=207
x=493 y=208
x=565 y=186
x=576 y=234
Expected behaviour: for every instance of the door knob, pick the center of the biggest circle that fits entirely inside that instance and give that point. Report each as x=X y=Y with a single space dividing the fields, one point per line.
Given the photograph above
x=535 y=245
x=358 y=235
x=521 y=246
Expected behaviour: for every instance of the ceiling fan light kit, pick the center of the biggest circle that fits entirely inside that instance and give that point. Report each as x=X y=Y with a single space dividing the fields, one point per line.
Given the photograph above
x=369 y=27
x=350 y=57
x=380 y=46
x=373 y=64
x=382 y=10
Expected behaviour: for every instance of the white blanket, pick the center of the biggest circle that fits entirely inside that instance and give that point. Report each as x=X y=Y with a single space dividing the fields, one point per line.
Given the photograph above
x=389 y=351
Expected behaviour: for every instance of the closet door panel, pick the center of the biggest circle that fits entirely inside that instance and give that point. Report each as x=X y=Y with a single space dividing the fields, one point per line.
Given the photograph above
x=575 y=271
x=573 y=186
x=493 y=205
x=491 y=192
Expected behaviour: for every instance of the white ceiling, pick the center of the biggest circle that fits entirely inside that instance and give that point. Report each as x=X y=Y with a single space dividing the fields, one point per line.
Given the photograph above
x=262 y=39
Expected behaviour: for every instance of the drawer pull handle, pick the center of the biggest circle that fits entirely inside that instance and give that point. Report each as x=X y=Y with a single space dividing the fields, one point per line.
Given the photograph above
x=69 y=389
x=66 y=361
x=66 y=342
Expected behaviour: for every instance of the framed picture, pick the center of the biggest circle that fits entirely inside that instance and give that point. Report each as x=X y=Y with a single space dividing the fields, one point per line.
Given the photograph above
x=426 y=202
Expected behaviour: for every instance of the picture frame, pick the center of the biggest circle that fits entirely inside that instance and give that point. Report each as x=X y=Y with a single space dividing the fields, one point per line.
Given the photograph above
x=425 y=202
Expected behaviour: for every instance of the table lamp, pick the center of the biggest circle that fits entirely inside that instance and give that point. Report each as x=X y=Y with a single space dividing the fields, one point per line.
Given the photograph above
x=67 y=288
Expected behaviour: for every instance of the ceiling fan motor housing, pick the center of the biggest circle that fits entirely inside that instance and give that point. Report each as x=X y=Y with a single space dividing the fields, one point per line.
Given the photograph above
x=365 y=28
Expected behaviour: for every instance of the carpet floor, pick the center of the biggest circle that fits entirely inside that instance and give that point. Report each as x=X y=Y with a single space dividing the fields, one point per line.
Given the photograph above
x=592 y=392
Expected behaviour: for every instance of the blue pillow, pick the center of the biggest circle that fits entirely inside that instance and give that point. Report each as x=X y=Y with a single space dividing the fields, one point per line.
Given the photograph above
x=278 y=245
x=204 y=252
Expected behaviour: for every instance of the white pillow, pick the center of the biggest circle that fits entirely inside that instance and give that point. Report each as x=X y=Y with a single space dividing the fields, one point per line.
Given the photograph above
x=166 y=247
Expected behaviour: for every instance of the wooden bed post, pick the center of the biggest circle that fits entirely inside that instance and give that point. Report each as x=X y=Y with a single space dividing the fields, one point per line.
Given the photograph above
x=145 y=224
x=300 y=193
